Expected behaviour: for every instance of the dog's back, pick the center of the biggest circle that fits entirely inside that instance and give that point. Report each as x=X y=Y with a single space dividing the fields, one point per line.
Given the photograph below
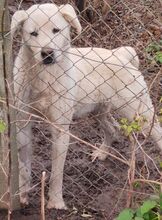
x=98 y=71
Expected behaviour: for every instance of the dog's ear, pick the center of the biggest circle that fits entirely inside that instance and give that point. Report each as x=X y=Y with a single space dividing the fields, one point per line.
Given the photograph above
x=69 y=14
x=17 y=20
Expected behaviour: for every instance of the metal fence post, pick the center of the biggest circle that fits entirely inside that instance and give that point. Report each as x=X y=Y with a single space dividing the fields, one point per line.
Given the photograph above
x=8 y=150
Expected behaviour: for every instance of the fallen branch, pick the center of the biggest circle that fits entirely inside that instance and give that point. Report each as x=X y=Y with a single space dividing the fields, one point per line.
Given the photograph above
x=42 y=195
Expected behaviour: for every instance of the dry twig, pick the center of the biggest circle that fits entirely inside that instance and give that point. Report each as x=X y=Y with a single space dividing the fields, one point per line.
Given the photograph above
x=42 y=195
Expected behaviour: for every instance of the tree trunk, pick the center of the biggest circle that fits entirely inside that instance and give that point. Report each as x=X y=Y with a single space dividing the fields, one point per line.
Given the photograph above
x=9 y=198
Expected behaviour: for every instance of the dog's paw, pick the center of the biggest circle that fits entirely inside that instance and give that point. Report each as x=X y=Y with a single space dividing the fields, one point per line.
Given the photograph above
x=56 y=205
x=98 y=154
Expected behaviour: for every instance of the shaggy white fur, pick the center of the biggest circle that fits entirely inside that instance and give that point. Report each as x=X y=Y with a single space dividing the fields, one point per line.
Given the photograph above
x=58 y=81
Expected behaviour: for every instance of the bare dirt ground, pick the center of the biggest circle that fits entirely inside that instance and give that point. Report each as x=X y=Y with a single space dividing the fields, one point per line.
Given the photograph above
x=99 y=190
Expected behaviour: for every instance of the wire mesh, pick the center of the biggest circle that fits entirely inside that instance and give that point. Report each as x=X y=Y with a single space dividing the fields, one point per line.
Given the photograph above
x=70 y=93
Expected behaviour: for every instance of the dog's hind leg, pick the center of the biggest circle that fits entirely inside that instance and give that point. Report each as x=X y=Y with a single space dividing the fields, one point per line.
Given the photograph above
x=157 y=135
x=152 y=126
x=142 y=107
x=110 y=133
x=156 y=132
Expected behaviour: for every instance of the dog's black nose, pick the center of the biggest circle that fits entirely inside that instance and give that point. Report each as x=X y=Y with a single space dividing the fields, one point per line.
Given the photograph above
x=48 y=56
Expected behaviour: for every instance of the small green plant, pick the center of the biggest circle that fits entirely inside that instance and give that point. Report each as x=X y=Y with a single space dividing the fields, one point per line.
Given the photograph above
x=136 y=185
x=160 y=164
x=3 y=126
x=154 y=50
x=149 y=210
x=158 y=57
x=154 y=47
x=134 y=126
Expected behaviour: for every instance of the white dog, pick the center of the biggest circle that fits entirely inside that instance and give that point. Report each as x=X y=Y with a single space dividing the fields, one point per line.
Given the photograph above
x=58 y=81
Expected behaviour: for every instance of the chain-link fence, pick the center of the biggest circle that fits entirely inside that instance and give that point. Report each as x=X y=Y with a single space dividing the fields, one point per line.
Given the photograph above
x=87 y=116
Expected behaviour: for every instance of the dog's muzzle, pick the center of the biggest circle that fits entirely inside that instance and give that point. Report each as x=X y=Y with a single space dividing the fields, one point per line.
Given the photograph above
x=48 y=56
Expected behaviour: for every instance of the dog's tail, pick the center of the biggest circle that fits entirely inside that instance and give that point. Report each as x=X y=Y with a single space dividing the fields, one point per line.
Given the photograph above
x=130 y=54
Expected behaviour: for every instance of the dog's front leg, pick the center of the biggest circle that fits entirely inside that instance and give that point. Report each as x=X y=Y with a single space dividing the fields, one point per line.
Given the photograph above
x=24 y=155
x=59 y=151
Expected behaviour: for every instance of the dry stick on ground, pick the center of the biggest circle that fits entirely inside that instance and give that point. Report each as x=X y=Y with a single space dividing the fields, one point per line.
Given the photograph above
x=155 y=78
x=140 y=146
x=42 y=195
x=131 y=170
x=148 y=181
x=120 y=191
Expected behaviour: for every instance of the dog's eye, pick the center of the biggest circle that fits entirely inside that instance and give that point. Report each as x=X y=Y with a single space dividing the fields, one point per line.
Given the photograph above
x=55 y=30
x=34 y=33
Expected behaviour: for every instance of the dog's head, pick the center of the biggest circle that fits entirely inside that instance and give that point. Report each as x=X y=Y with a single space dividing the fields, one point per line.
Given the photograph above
x=46 y=30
